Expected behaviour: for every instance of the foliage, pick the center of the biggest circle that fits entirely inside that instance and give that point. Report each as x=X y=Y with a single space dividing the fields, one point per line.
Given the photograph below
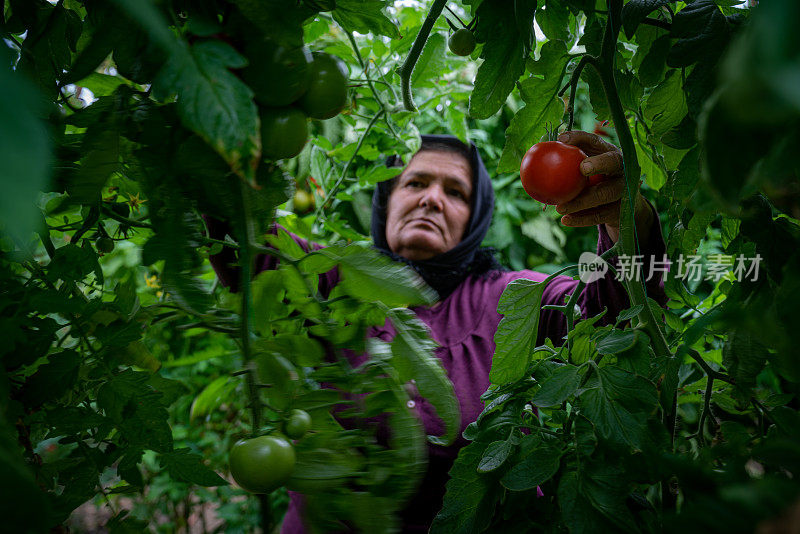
x=130 y=371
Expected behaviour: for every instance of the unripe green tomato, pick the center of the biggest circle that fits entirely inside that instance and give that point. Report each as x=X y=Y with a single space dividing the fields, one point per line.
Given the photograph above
x=262 y=464
x=284 y=132
x=462 y=42
x=303 y=200
x=277 y=75
x=327 y=90
x=298 y=424
x=104 y=245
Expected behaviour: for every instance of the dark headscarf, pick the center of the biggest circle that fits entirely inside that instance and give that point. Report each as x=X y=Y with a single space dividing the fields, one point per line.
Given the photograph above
x=446 y=271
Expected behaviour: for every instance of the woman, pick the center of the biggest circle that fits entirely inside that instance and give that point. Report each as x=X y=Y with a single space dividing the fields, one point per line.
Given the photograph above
x=434 y=217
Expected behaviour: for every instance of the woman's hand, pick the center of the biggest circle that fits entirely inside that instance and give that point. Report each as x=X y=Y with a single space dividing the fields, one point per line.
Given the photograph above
x=600 y=203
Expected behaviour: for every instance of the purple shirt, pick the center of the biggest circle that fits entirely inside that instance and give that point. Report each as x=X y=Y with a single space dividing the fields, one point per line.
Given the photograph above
x=464 y=325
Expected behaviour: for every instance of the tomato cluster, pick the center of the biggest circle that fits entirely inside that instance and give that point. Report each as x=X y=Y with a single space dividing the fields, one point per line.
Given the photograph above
x=291 y=85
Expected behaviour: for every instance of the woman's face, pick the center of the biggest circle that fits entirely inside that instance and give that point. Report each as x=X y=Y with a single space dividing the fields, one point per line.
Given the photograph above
x=429 y=207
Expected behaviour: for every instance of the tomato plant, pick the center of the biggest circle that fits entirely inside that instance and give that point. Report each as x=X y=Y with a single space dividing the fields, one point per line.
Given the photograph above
x=550 y=172
x=177 y=129
x=297 y=424
x=327 y=89
x=462 y=42
x=262 y=464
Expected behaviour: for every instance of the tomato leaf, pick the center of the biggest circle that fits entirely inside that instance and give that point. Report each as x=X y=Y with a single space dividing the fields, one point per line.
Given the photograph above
x=635 y=11
x=539 y=464
x=185 y=466
x=495 y=456
x=618 y=402
x=542 y=107
x=213 y=102
x=412 y=351
x=503 y=55
x=558 y=387
x=470 y=498
x=520 y=304
x=365 y=16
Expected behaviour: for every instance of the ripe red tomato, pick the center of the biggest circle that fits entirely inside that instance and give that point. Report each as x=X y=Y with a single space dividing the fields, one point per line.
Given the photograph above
x=550 y=172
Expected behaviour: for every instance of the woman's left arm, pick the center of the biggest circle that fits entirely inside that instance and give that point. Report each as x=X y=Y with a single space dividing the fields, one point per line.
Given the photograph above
x=599 y=204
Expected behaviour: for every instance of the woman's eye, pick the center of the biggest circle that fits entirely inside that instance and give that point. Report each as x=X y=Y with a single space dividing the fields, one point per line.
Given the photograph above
x=457 y=193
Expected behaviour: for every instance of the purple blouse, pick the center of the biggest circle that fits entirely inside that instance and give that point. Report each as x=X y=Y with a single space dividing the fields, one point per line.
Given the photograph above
x=463 y=325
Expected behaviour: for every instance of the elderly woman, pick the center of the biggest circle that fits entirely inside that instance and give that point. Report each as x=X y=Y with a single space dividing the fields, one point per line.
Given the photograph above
x=434 y=217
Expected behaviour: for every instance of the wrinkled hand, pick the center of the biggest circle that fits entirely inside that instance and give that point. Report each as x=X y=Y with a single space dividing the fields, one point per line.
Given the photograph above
x=600 y=203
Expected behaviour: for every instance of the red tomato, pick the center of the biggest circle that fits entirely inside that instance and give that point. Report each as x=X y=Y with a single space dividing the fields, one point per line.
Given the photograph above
x=550 y=172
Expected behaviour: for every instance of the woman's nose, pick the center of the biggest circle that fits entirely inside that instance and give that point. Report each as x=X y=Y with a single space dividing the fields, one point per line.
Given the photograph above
x=433 y=197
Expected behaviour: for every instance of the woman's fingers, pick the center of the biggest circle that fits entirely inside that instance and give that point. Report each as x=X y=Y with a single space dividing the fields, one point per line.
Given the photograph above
x=604 y=158
x=588 y=142
x=593 y=196
x=606 y=214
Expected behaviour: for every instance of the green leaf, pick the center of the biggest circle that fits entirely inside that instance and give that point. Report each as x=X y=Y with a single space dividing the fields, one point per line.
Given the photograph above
x=539 y=465
x=542 y=107
x=372 y=277
x=470 y=497
x=365 y=16
x=136 y=410
x=577 y=512
x=553 y=19
x=73 y=263
x=431 y=61
x=635 y=11
x=495 y=456
x=520 y=304
x=25 y=152
x=558 y=387
x=744 y=358
x=618 y=403
x=617 y=341
x=213 y=102
x=503 y=54
x=184 y=466
x=606 y=488
x=211 y=397
x=666 y=105
x=412 y=356
x=53 y=379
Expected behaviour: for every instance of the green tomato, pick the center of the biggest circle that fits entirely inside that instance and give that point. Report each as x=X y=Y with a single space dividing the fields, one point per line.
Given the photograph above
x=277 y=75
x=327 y=90
x=262 y=464
x=462 y=42
x=104 y=245
x=284 y=132
x=298 y=424
x=303 y=201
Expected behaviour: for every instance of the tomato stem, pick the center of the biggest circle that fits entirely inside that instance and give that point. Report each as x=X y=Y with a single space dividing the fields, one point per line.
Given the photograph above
x=416 y=49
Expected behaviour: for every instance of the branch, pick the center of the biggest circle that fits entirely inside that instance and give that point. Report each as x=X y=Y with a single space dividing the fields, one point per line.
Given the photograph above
x=657 y=23
x=108 y=212
x=338 y=183
x=416 y=49
x=573 y=86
